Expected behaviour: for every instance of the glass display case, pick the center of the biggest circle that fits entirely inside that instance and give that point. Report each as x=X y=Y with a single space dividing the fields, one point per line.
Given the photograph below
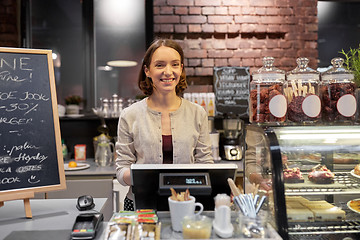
x=314 y=178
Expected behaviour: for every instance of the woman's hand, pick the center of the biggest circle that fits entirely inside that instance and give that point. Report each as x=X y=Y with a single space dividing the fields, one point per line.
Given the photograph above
x=264 y=184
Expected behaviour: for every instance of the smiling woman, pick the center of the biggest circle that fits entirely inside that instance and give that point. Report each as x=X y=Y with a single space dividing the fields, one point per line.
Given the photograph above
x=171 y=129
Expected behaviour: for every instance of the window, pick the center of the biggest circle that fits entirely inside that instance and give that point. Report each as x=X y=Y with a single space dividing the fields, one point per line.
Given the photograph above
x=339 y=24
x=84 y=36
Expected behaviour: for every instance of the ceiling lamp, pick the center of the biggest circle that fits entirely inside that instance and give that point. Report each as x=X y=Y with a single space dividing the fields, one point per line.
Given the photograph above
x=122 y=63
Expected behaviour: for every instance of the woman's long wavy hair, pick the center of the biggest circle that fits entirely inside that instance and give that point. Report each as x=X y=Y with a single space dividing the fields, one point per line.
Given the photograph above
x=145 y=84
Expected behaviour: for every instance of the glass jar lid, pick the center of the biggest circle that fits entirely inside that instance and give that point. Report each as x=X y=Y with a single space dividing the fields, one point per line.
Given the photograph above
x=302 y=71
x=337 y=72
x=268 y=72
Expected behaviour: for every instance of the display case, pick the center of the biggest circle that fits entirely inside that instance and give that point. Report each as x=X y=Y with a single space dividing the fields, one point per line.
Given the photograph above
x=313 y=177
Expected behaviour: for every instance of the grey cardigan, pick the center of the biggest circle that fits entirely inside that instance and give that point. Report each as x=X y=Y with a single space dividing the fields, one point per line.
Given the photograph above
x=140 y=136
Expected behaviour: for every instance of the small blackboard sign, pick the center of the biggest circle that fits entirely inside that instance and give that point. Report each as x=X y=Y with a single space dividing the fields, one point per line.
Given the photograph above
x=231 y=87
x=30 y=148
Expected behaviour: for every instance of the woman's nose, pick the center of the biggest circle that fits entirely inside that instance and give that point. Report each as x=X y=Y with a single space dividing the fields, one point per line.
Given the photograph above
x=168 y=69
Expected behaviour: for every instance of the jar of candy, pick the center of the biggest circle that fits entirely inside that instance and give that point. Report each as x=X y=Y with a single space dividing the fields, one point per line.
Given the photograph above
x=267 y=103
x=302 y=93
x=338 y=94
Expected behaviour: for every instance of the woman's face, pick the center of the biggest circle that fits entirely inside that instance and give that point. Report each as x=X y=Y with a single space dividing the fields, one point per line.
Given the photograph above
x=165 y=69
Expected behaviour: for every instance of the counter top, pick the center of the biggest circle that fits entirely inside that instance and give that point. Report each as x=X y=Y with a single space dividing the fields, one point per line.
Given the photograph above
x=52 y=218
x=95 y=170
x=168 y=233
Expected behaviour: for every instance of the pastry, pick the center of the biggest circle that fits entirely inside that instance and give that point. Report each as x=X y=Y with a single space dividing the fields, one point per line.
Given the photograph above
x=328 y=214
x=300 y=199
x=355 y=204
x=299 y=215
x=293 y=175
x=299 y=209
x=357 y=169
x=346 y=157
x=320 y=174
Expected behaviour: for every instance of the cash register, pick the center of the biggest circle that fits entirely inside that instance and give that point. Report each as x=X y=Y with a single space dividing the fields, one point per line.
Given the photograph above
x=151 y=183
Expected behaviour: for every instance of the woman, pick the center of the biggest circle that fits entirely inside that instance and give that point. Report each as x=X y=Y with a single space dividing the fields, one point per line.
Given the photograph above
x=163 y=127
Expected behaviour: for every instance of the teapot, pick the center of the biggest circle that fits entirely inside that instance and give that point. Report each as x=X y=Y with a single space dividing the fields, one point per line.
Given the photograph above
x=104 y=151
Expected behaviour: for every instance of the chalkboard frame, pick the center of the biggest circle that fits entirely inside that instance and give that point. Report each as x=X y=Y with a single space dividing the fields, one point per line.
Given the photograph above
x=13 y=194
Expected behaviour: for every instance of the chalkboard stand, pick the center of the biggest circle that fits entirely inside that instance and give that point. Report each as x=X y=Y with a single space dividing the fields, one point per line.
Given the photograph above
x=27 y=79
x=20 y=196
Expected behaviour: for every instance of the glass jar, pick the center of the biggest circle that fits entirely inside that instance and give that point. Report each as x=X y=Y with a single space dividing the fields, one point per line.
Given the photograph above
x=338 y=94
x=267 y=103
x=302 y=93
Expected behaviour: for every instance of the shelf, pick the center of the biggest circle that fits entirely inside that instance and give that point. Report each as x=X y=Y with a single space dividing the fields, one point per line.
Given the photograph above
x=344 y=183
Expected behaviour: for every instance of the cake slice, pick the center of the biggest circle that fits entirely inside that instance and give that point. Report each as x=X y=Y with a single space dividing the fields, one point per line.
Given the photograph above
x=322 y=204
x=299 y=215
x=293 y=175
x=320 y=174
x=328 y=214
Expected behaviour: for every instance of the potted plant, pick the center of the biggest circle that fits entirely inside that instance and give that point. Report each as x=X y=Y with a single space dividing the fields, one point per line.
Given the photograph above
x=73 y=104
x=352 y=62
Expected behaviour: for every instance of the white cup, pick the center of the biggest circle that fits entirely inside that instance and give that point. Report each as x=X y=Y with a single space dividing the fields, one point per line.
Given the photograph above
x=180 y=209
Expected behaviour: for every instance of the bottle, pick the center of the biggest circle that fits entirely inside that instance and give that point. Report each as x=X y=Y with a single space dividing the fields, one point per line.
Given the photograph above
x=302 y=92
x=202 y=100
x=195 y=98
x=267 y=103
x=211 y=104
x=64 y=149
x=106 y=108
x=338 y=94
x=115 y=107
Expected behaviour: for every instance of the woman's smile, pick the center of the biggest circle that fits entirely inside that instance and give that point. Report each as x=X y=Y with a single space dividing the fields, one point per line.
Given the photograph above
x=167 y=80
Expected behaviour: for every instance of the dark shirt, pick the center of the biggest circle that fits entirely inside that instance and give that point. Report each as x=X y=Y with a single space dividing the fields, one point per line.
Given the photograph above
x=167 y=149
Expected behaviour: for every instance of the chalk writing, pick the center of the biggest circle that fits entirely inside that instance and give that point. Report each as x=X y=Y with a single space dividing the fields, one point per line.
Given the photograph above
x=27 y=158
x=28 y=168
x=33 y=180
x=23 y=146
x=9 y=180
x=5 y=76
x=15 y=120
x=231 y=87
x=5 y=170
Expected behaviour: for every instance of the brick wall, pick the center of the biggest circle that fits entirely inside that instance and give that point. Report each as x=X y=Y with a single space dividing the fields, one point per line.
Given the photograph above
x=8 y=24
x=238 y=32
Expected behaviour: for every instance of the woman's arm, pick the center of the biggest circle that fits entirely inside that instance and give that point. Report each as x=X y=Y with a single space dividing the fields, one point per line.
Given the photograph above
x=125 y=151
x=203 y=152
x=255 y=156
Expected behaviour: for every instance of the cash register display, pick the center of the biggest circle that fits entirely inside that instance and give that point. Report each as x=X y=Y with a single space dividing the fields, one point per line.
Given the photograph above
x=184 y=180
x=196 y=182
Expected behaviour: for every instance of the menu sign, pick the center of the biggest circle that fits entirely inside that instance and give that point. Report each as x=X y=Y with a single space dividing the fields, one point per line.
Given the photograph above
x=30 y=147
x=231 y=87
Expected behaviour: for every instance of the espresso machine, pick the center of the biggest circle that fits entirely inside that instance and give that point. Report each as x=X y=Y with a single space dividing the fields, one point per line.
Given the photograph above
x=232 y=139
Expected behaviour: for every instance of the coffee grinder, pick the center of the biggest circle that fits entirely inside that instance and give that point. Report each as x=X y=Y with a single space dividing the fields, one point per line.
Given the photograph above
x=233 y=146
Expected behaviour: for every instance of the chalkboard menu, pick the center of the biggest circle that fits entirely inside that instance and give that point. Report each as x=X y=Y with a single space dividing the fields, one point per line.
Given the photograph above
x=30 y=147
x=231 y=87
